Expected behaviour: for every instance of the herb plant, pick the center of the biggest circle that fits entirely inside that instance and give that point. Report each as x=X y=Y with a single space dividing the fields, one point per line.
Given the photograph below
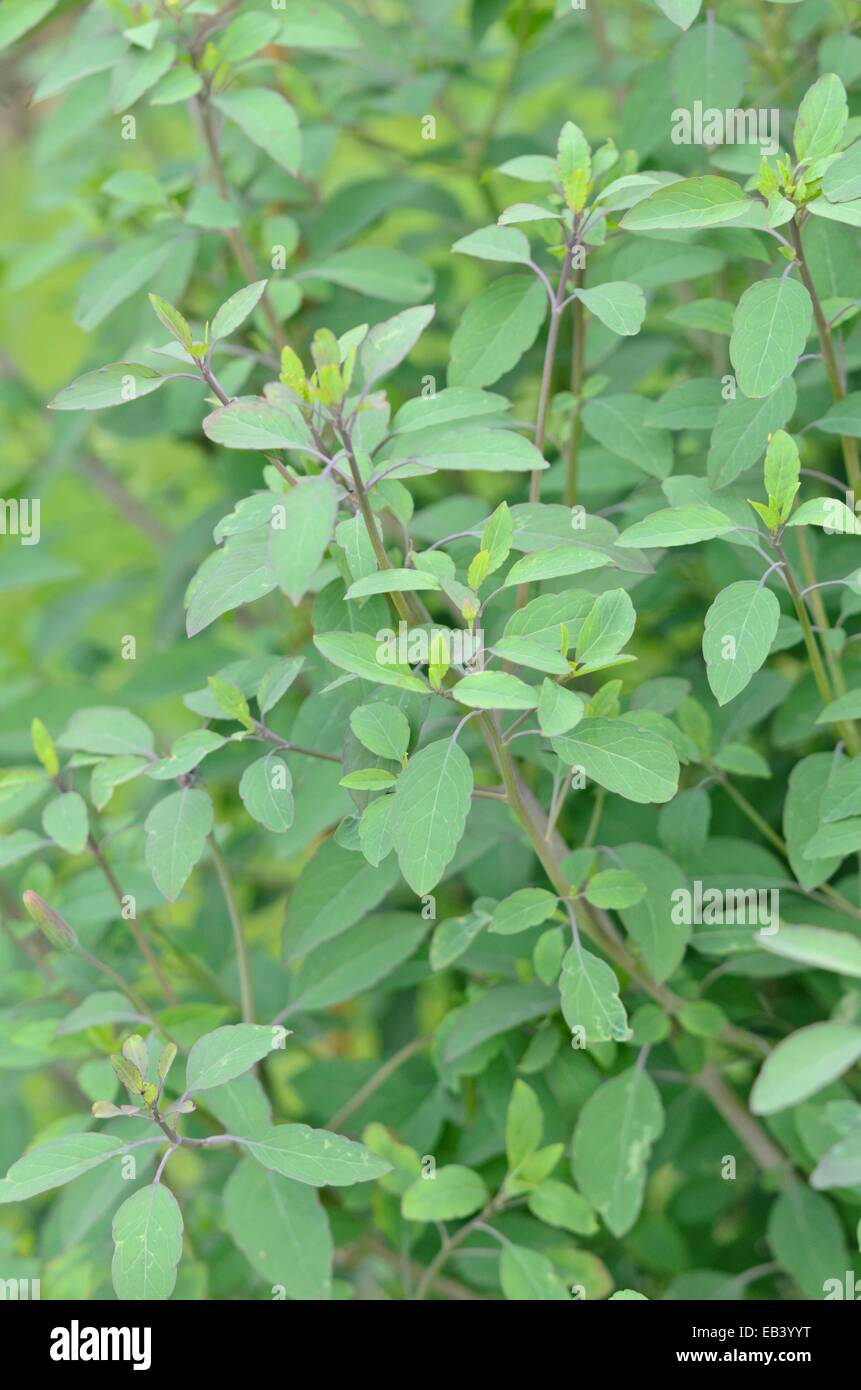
x=431 y=797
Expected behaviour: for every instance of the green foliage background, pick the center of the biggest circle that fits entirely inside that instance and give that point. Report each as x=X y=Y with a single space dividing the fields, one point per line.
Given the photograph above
x=660 y=1159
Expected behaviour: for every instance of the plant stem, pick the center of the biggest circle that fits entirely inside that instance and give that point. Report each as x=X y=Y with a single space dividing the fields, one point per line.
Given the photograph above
x=848 y=732
x=131 y=994
x=750 y=1132
x=447 y=1250
x=245 y=994
x=849 y=446
x=823 y=684
x=547 y=372
x=399 y=602
x=374 y=1083
x=596 y=924
x=578 y=350
x=140 y=940
x=748 y=810
x=240 y=248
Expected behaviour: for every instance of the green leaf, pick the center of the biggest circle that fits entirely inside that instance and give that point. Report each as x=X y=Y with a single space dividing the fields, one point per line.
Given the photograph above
x=618 y=423
x=605 y=630
x=267 y=120
x=432 y=801
x=452 y=403
x=176 y=830
x=524 y=1125
x=850 y=213
x=819 y=947
x=464 y=449
x=391 y=581
x=235 y=310
x=388 y=343
x=114 y=385
x=363 y=656
x=821 y=119
x=740 y=627
x=173 y=321
x=495 y=244
x=782 y=472
x=147 y=1234
x=842 y=179
x=527 y=907
x=532 y=168
x=557 y=1204
x=705 y=201
x=842 y=838
x=842 y=794
x=615 y=888
x=770 y=328
x=660 y=940
x=742 y=432
x=620 y=306
x=383 y=729
x=55 y=1163
x=590 y=998
x=238 y=573
x=65 y=820
x=497 y=1011
x=680 y=12
x=375 y=831
x=230 y=701
x=847 y=706
x=554 y=564
x=187 y=753
x=109 y=730
x=266 y=790
x=843 y=417
x=709 y=66
x=806 y=1236
x=304 y=528
x=315 y=1156
x=282 y=1230
x=335 y=889
x=802 y=817
x=447 y=1194
x=528 y=1276
x=558 y=709
x=495 y=690
x=218 y=1057
x=316 y=25
x=380 y=273
x=116 y=277
x=497 y=328
x=622 y=758
x=613 y=1139
x=106 y=1007
x=258 y=424
x=828 y=512
x=692 y=405
x=277 y=682
x=841 y=1165
x=677 y=526
x=355 y=961
x=803 y=1064
x=19 y=16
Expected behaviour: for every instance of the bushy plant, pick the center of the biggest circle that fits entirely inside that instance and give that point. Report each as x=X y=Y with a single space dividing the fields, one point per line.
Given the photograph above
x=465 y=903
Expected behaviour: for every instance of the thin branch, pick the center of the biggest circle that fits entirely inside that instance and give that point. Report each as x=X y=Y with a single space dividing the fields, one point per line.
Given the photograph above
x=245 y=992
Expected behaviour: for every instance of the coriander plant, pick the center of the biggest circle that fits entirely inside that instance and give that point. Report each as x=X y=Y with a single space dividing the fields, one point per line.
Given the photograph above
x=431 y=790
